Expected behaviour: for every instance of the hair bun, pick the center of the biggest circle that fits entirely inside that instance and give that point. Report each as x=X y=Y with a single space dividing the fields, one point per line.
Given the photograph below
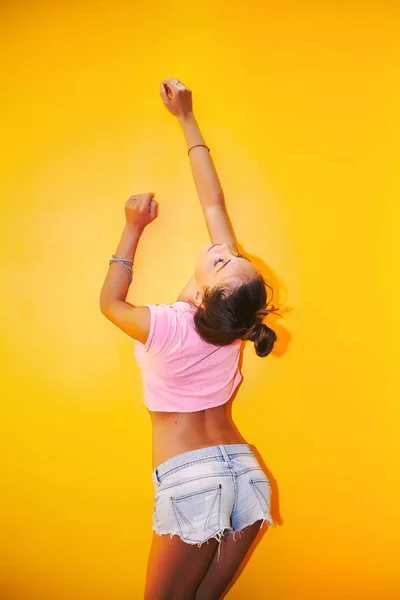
x=251 y=333
x=255 y=331
x=264 y=339
x=227 y=315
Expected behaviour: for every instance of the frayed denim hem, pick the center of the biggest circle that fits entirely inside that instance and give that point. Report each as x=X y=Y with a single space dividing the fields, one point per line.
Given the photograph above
x=263 y=520
x=219 y=535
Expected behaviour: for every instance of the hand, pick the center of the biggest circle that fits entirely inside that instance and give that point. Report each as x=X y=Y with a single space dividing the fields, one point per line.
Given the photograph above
x=141 y=210
x=176 y=97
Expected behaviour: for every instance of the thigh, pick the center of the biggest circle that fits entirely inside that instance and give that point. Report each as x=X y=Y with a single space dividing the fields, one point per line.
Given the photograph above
x=175 y=568
x=226 y=562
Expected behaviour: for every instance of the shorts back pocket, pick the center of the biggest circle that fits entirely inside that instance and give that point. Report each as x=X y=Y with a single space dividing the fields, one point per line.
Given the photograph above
x=198 y=514
x=262 y=490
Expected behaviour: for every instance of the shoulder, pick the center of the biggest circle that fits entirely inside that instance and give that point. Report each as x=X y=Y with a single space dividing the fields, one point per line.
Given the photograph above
x=133 y=320
x=145 y=322
x=165 y=324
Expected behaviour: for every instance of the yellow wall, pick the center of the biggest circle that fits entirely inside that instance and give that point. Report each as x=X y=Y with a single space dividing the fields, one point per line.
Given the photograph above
x=297 y=101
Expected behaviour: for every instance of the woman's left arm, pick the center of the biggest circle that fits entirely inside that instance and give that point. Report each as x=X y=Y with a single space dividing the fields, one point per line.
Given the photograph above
x=140 y=210
x=117 y=282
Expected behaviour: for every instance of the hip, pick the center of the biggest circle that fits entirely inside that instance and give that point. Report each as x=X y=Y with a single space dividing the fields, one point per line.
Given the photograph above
x=210 y=491
x=225 y=460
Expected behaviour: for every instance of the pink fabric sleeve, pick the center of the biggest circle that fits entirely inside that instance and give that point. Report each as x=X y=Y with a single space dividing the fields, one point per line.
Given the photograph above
x=163 y=320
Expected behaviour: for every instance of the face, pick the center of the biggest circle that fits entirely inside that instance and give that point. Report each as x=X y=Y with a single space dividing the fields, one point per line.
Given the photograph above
x=217 y=264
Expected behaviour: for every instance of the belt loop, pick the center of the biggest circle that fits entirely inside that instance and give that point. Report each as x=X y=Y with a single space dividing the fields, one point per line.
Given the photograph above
x=224 y=453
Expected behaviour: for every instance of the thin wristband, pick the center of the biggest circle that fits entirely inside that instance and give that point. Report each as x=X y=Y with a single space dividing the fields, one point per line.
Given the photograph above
x=126 y=267
x=124 y=259
x=196 y=145
x=121 y=262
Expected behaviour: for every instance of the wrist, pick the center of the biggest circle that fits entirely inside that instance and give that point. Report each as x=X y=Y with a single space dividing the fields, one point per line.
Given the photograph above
x=189 y=118
x=134 y=228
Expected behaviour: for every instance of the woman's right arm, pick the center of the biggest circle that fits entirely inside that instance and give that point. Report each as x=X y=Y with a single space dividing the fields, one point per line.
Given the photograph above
x=205 y=177
x=208 y=186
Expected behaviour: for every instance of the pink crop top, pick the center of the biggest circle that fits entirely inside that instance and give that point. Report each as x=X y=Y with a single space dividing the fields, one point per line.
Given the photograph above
x=181 y=372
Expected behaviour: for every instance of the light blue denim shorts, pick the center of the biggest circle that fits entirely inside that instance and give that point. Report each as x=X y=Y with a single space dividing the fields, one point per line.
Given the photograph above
x=209 y=493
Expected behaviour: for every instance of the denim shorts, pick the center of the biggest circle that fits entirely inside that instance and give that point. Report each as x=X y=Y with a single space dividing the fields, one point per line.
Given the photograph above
x=209 y=493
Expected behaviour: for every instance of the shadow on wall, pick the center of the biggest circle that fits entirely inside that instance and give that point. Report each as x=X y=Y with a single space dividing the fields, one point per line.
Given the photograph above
x=277 y=297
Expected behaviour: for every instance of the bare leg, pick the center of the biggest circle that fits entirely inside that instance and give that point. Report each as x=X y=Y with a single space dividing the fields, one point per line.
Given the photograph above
x=176 y=568
x=232 y=553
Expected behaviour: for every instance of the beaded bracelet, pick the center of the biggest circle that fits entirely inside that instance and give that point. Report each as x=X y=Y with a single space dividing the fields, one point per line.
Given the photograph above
x=195 y=146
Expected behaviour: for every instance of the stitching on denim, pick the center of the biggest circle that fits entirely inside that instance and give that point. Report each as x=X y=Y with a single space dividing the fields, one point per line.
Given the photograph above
x=210 y=489
x=230 y=454
x=176 y=509
x=206 y=476
x=188 y=464
x=235 y=488
x=258 y=492
x=266 y=480
x=200 y=460
x=248 y=470
x=161 y=487
x=208 y=519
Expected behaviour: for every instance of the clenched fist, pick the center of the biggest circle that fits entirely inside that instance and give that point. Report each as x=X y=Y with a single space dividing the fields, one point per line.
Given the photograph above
x=141 y=210
x=176 y=97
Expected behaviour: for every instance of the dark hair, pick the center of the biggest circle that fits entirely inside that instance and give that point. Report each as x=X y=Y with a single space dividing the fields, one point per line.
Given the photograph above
x=226 y=315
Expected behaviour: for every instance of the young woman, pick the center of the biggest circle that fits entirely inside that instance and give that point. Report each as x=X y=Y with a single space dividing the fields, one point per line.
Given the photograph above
x=208 y=483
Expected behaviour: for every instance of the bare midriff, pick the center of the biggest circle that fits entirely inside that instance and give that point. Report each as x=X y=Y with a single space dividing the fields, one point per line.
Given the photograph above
x=176 y=432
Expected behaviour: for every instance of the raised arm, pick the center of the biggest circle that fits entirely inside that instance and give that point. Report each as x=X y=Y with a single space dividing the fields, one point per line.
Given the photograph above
x=178 y=100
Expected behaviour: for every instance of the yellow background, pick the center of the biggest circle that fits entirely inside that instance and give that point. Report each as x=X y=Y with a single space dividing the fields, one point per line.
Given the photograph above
x=298 y=102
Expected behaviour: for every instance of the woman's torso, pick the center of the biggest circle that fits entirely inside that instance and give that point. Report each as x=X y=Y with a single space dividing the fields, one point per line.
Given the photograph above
x=177 y=432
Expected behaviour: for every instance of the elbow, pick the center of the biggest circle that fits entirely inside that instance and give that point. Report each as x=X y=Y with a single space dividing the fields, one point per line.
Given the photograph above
x=108 y=306
x=213 y=201
x=219 y=199
x=104 y=306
